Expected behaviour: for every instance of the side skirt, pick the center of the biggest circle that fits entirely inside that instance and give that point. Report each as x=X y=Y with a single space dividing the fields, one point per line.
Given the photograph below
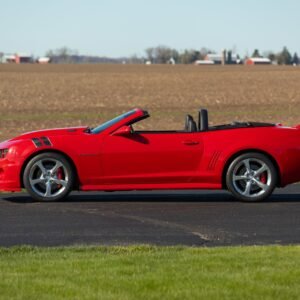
x=129 y=187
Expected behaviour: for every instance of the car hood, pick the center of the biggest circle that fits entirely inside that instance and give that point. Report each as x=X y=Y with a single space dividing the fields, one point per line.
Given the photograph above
x=51 y=132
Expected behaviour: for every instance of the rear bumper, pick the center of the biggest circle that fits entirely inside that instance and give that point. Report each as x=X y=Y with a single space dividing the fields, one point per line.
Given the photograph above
x=10 y=175
x=289 y=166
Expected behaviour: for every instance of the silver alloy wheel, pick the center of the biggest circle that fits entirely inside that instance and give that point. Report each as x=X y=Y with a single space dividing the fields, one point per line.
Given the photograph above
x=48 y=177
x=251 y=177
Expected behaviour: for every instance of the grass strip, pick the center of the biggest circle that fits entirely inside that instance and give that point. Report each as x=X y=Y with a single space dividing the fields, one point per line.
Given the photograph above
x=149 y=272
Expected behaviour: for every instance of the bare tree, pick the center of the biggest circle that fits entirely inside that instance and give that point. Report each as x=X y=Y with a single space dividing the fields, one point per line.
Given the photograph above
x=150 y=54
x=62 y=55
x=163 y=54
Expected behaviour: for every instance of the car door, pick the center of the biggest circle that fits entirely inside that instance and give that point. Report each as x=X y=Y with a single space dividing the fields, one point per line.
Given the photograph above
x=150 y=158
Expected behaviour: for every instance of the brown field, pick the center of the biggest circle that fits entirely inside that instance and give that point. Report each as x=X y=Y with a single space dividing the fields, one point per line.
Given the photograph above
x=36 y=96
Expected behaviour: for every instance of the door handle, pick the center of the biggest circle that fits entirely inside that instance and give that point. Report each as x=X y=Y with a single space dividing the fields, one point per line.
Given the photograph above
x=190 y=143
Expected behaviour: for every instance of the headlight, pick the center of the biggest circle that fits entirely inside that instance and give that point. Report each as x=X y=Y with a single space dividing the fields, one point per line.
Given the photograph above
x=3 y=153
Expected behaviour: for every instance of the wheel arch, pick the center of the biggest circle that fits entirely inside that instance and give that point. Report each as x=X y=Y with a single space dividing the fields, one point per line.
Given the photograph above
x=244 y=151
x=69 y=159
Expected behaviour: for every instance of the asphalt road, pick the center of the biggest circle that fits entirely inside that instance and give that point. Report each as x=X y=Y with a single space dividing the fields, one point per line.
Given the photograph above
x=194 y=218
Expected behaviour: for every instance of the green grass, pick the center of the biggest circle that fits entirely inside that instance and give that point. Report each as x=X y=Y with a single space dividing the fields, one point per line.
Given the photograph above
x=146 y=272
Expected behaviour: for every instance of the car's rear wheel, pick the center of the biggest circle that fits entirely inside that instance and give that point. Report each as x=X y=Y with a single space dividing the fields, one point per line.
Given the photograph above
x=251 y=177
x=48 y=177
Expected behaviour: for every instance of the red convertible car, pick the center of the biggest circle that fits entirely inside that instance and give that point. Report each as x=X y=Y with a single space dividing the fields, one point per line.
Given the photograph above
x=248 y=159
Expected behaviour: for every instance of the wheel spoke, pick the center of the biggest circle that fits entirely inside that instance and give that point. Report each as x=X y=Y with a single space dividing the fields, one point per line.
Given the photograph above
x=48 y=189
x=262 y=169
x=247 y=165
x=263 y=186
x=60 y=182
x=239 y=177
x=36 y=181
x=247 y=189
x=58 y=164
x=39 y=164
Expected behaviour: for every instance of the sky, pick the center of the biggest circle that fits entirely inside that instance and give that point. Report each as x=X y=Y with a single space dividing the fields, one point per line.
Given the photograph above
x=122 y=28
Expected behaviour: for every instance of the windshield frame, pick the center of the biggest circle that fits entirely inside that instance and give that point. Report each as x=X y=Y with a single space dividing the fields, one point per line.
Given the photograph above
x=112 y=122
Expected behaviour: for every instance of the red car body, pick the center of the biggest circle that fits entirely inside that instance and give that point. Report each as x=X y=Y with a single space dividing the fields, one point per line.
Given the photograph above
x=118 y=158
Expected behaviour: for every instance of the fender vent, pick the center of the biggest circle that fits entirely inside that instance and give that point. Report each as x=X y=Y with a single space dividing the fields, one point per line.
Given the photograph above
x=45 y=141
x=42 y=141
x=37 y=142
x=214 y=160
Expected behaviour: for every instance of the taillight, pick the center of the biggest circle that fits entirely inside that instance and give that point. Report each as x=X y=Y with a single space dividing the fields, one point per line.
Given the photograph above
x=3 y=153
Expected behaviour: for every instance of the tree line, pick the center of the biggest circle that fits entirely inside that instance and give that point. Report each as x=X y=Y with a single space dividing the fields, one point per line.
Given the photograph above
x=163 y=54
x=67 y=55
x=158 y=55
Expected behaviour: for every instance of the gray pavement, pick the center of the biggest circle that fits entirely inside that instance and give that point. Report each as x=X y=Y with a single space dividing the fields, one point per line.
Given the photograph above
x=193 y=218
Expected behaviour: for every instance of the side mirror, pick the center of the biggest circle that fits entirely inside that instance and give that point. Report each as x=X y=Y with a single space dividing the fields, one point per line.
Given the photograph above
x=122 y=131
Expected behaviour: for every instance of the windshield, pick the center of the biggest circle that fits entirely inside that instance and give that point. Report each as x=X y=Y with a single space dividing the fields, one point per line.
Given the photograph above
x=109 y=123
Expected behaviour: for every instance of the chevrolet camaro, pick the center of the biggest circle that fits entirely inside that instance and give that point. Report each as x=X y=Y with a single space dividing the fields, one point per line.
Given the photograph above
x=249 y=159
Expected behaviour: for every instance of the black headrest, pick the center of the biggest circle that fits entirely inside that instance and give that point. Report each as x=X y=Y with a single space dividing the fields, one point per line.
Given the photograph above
x=188 y=118
x=203 y=120
x=192 y=126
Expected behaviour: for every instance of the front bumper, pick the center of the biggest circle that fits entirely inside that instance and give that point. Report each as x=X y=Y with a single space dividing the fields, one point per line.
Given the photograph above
x=10 y=175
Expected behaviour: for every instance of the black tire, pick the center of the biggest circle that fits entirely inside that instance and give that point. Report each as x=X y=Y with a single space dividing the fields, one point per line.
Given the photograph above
x=251 y=177
x=44 y=182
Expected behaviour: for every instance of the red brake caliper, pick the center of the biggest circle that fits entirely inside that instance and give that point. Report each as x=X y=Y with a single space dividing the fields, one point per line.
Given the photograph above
x=59 y=175
x=263 y=178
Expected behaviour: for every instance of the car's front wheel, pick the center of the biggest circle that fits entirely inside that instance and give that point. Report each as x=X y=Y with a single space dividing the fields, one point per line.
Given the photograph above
x=251 y=177
x=48 y=177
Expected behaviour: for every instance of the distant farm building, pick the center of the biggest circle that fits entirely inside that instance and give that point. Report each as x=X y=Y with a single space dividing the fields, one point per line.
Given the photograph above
x=258 y=61
x=8 y=58
x=16 y=58
x=44 y=60
x=171 y=61
x=23 y=59
x=204 y=62
x=220 y=59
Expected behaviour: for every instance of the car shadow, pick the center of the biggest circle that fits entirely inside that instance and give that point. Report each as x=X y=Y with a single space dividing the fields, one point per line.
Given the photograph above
x=151 y=197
